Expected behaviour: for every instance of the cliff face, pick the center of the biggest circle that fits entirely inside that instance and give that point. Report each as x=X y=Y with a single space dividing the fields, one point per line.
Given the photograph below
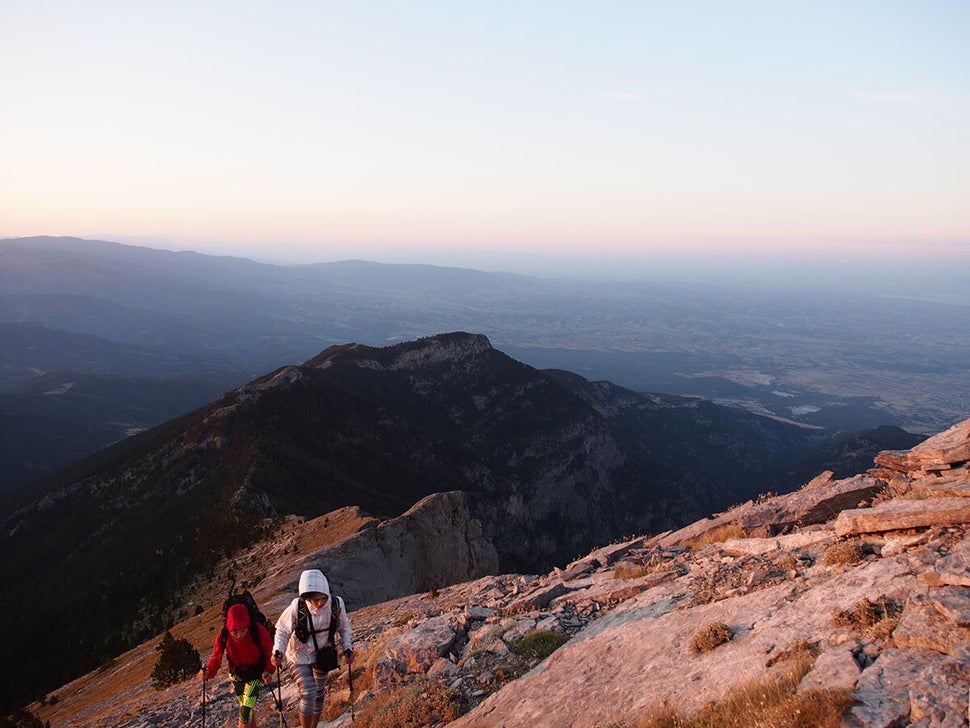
x=863 y=583
x=437 y=542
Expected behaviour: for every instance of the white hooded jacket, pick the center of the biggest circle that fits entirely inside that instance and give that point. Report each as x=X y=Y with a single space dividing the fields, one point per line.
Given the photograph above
x=286 y=642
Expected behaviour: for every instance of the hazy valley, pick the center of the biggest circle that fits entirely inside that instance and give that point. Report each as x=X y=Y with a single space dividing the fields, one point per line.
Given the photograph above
x=200 y=325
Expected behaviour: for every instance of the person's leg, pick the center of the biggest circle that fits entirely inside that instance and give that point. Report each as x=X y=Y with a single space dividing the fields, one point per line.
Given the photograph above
x=308 y=690
x=239 y=690
x=247 y=705
x=320 y=683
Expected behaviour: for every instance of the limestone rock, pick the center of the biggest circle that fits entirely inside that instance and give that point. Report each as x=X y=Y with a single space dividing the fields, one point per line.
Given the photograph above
x=814 y=505
x=954 y=568
x=436 y=542
x=898 y=515
x=953 y=603
x=937 y=453
x=538 y=598
x=925 y=626
x=939 y=698
x=834 y=669
x=414 y=652
x=776 y=544
x=882 y=694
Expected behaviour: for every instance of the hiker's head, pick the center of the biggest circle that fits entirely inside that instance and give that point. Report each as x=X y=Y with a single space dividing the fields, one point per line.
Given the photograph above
x=314 y=583
x=237 y=620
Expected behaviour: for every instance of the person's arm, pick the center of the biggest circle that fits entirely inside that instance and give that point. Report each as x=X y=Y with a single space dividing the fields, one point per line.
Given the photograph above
x=215 y=661
x=344 y=628
x=284 y=628
x=266 y=647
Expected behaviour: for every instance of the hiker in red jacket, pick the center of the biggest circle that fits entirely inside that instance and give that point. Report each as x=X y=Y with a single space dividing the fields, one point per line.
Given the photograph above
x=249 y=650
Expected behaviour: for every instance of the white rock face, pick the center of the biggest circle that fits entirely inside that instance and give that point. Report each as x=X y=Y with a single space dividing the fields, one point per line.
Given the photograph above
x=434 y=543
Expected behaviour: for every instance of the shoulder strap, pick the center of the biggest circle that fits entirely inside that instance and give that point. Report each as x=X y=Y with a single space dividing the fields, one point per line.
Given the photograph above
x=254 y=626
x=302 y=624
x=334 y=617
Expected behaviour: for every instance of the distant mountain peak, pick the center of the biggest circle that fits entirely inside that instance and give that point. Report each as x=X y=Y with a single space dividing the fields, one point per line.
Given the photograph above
x=429 y=351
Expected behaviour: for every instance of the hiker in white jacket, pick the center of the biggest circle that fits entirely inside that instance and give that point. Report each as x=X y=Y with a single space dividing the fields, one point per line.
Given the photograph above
x=307 y=641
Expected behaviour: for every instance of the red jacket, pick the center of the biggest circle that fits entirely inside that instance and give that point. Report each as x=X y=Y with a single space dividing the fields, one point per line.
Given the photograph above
x=244 y=655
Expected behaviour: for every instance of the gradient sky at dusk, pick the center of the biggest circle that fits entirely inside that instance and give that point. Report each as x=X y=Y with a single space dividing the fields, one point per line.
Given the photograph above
x=458 y=132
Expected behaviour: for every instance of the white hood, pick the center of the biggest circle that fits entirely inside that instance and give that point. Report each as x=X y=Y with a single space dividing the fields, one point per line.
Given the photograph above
x=313 y=580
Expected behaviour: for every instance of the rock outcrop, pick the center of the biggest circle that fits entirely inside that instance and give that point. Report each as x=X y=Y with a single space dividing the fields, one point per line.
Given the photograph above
x=843 y=571
x=436 y=542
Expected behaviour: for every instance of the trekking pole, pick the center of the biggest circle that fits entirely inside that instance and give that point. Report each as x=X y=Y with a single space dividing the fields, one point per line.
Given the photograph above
x=279 y=688
x=350 y=682
x=203 y=695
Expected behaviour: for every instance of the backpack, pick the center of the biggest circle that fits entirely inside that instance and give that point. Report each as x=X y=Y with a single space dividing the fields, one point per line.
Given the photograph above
x=256 y=617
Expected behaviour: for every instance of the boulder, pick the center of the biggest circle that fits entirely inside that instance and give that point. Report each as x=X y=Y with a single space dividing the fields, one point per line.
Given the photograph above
x=882 y=695
x=538 y=598
x=954 y=568
x=897 y=515
x=937 y=453
x=925 y=626
x=414 y=652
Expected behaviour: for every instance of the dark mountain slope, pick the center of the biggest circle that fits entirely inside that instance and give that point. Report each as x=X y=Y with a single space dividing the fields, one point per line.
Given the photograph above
x=553 y=464
x=64 y=395
x=57 y=419
x=34 y=446
x=31 y=349
x=713 y=453
x=852 y=453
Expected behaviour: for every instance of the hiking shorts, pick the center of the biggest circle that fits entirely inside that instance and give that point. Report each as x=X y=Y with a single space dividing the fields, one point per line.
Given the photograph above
x=313 y=685
x=247 y=693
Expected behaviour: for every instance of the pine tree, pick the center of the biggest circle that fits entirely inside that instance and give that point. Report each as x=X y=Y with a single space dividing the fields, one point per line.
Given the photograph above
x=178 y=661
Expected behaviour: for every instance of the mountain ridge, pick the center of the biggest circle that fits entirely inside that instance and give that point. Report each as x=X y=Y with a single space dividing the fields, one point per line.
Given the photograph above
x=547 y=476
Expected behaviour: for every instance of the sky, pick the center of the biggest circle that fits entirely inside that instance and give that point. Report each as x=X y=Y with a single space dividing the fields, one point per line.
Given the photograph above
x=501 y=135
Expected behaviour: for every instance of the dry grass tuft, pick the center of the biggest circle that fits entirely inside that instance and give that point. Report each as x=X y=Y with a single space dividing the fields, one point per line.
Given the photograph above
x=539 y=645
x=768 y=702
x=716 y=535
x=634 y=570
x=845 y=553
x=788 y=563
x=413 y=706
x=875 y=619
x=799 y=651
x=713 y=635
x=338 y=688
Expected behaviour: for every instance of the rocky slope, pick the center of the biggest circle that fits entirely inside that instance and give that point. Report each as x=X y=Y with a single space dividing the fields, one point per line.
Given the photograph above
x=551 y=464
x=868 y=576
